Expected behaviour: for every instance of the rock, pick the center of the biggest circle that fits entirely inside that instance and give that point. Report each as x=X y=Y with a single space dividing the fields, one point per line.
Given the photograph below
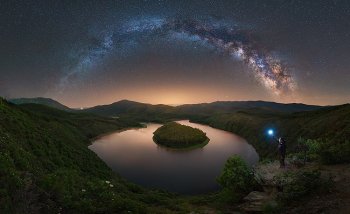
x=256 y=196
x=255 y=201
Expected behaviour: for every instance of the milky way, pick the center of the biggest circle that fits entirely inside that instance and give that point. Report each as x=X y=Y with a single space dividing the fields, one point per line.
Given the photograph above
x=268 y=70
x=228 y=39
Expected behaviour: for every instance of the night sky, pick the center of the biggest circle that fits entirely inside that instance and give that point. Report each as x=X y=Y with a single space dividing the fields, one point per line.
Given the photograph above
x=85 y=53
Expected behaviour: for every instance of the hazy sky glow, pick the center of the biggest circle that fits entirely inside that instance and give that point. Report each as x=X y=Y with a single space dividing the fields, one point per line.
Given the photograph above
x=85 y=53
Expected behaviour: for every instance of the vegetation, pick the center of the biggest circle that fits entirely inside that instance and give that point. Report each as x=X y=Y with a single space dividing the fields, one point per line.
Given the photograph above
x=175 y=135
x=46 y=167
x=249 y=119
x=332 y=123
x=89 y=124
x=299 y=184
x=323 y=151
x=237 y=179
x=135 y=111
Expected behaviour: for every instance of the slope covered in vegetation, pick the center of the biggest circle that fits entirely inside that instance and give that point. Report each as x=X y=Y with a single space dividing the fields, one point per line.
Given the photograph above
x=175 y=135
x=46 y=167
x=331 y=123
x=249 y=119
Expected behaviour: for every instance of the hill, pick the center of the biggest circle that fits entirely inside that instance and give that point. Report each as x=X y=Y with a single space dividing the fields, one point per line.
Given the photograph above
x=135 y=110
x=40 y=100
x=148 y=111
x=233 y=106
x=250 y=119
x=331 y=123
x=177 y=136
x=46 y=166
x=90 y=125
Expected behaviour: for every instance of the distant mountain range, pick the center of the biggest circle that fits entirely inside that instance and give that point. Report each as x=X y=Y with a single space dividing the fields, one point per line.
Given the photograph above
x=40 y=100
x=131 y=107
x=143 y=112
x=233 y=106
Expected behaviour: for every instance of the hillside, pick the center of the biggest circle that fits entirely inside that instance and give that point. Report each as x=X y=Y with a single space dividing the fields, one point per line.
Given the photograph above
x=46 y=167
x=163 y=113
x=90 y=125
x=135 y=110
x=160 y=113
x=250 y=119
x=40 y=100
x=331 y=123
x=233 y=106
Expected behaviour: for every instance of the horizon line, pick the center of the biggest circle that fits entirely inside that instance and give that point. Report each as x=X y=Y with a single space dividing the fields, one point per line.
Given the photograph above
x=173 y=105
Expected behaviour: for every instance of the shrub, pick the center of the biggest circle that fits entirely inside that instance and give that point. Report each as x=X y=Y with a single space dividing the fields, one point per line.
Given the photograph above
x=237 y=178
x=335 y=153
x=296 y=185
x=325 y=151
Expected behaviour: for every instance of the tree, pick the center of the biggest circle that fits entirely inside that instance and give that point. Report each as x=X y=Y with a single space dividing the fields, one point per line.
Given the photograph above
x=237 y=178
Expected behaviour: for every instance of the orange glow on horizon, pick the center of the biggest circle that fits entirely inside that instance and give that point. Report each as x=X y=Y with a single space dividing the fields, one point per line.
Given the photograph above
x=186 y=94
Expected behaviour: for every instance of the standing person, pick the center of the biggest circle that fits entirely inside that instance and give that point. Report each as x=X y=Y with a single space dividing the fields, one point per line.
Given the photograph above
x=282 y=151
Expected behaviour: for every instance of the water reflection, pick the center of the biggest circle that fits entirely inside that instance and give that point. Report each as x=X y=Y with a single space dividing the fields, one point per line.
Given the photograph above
x=135 y=156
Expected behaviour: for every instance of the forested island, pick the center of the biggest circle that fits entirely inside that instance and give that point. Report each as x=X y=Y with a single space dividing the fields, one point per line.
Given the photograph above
x=177 y=136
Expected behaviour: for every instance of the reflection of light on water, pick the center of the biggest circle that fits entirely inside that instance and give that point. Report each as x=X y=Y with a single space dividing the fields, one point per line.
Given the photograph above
x=135 y=156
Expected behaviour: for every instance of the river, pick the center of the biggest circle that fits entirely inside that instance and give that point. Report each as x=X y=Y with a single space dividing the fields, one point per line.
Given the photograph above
x=133 y=155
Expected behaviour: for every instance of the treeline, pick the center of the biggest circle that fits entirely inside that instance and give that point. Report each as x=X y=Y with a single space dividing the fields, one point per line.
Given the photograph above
x=175 y=135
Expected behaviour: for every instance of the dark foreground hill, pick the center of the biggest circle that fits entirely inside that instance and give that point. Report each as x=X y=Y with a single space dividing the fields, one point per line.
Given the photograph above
x=46 y=166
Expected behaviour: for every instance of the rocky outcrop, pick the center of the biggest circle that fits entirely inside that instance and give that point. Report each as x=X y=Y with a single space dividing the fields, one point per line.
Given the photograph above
x=255 y=201
x=265 y=175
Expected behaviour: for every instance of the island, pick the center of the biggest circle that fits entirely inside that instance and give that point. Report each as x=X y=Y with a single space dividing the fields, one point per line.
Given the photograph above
x=176 y=136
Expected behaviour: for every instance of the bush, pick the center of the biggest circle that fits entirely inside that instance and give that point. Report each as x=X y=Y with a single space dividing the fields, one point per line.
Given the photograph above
x=325 y=151
x=296 y=185
x=335 y=153
x=237 y=178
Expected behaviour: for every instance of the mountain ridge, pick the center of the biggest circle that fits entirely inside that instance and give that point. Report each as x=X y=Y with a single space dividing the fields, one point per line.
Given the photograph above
x=40 y=100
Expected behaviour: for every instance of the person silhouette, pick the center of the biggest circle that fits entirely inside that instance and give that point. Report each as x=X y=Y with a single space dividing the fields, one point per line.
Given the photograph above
x=282 y=151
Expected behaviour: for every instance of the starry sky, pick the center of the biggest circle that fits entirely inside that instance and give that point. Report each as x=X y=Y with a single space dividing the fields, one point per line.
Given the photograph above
x=85 y=53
